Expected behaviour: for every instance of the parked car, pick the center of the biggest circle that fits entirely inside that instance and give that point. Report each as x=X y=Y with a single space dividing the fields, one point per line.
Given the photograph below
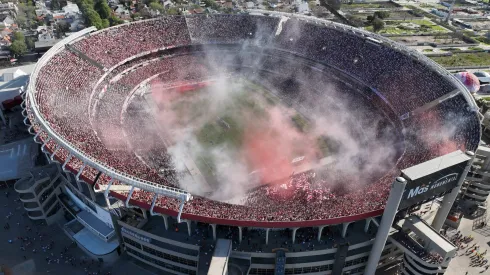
x=484 y=77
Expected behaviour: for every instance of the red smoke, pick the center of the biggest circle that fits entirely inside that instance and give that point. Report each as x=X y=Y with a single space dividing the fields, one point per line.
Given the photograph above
x=438 y=138
x=271 y=146
x=264 y=150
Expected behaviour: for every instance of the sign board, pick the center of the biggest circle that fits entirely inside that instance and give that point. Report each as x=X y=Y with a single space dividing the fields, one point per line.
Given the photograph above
x=135 y=235
x=432 y=178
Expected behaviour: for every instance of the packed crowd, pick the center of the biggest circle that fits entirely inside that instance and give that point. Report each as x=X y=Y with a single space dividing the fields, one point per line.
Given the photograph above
x=65 y=92
x=109 y=47
x=269 y=204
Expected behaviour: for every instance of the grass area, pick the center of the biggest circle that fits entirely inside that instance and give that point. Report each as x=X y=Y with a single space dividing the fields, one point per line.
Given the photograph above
x=395 y=27
x=427 y=50
x=475 y=49
x=206 y=164
x=300 y=122
x=360 y=5
x=222 y=130
x=463 y=59
x=327 y=145
x=486 y=98
x=452 y=49
x=483 y=39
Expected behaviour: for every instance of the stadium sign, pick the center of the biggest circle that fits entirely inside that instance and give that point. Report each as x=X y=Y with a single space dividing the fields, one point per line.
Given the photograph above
x=432 y=178
x=440 y=182
x=135 y=235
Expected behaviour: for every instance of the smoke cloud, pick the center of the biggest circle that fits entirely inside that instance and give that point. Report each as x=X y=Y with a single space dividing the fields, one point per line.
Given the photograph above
x=219 y=130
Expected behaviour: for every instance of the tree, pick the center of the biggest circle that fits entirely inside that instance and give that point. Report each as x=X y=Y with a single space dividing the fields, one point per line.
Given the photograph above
x=135 y=15
x=93 y=19
x=18 y=48
x=105 y=23
x=382 y=14
x=156 y=6
x=103 y=9
x=62 y=27
x=173 y=11
x=211 y=4
x=114 y=20
x=55 y=5
x=21 y=20
x=370 y=18
x=335 y=4
x=30 y=43
x=18 y=36
x=378 y=25
x=98 y=13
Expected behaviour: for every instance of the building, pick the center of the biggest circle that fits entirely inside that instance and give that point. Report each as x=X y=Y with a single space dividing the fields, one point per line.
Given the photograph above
x=9 y=8
x=478 y=179
x=38 y=193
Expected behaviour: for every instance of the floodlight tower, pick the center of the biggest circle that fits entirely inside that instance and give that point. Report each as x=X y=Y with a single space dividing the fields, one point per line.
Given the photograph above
x=446 y=20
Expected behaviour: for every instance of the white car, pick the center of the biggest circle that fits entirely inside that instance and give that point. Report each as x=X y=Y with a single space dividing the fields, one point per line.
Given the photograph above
x=484 y=77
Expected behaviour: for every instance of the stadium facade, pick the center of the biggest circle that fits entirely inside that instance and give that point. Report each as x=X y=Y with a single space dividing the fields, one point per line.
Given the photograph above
x=108 y=193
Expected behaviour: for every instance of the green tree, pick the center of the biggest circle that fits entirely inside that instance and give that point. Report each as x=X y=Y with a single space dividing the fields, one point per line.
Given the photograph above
x=156 y=6
x=335 y=4
x=173 y=11
x=211 y=4
x=26 y=16
x=105 y=23
x=30 y=43
x=378 y=25
x=18 y=48
x=18 y=36
x=103 y=9
x=114 y=20
x=21 y=20
x=97 y=14
x=135 y=15
x=55 y=5
x=93 y=18
x=62 y=28
x=382 y=14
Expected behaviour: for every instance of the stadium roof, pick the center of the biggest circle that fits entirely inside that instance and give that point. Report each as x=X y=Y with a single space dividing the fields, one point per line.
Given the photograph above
x=434 y=165
x=16 y=160
x=9 y=74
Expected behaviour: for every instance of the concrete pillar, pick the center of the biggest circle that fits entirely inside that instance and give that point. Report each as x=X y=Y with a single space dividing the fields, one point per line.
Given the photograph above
x=320 y=230
x=368 y=222
x=449 y=199
x=294 y=233
x=106 y=193
x=3 y=117
x=396 y=193
x=165 y=220
x=240 y=229
x=189 y=229
x=214 y=231
x=267 y=236
x=92 y=192
x=344 y=228
x=79 y=186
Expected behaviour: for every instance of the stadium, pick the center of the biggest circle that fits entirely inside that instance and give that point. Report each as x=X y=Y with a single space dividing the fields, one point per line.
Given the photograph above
x=236 y=126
